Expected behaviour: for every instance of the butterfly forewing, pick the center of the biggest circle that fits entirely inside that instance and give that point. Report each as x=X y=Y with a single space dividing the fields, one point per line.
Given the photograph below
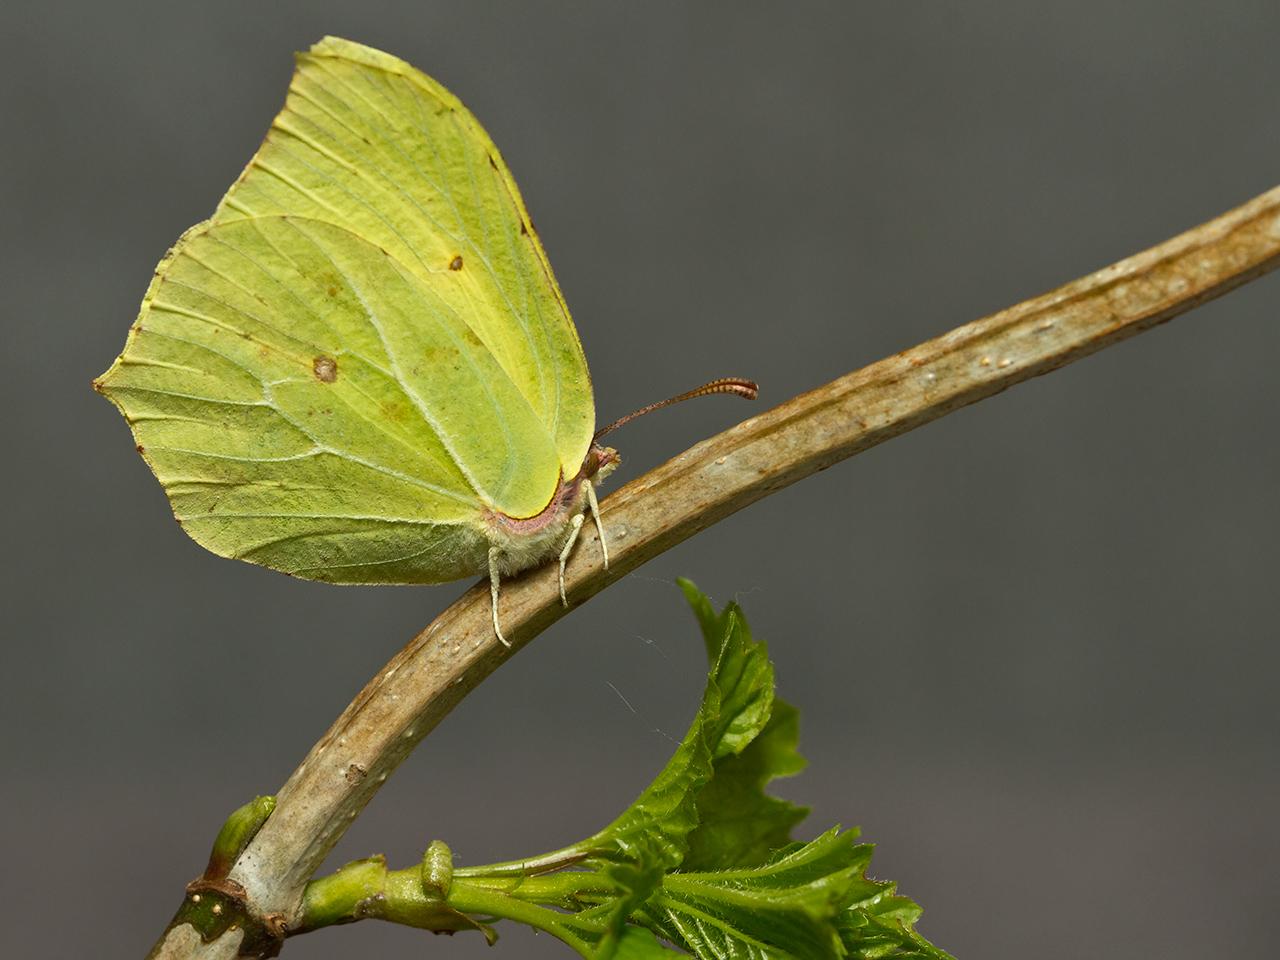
x=367 y=142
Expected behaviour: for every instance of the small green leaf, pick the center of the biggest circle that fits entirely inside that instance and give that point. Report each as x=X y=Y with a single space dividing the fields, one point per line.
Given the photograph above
x=739 y=824
x=745 y=678
x=654 y=828
x=882 y=929
x=736 y=706
x=785 y=909
x=712 y=623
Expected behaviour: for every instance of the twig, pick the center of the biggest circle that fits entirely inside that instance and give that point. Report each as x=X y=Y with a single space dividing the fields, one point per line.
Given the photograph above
x=704 y=484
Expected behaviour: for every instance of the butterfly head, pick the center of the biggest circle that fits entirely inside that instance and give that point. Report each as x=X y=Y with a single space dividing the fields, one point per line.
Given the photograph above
x=599 y=463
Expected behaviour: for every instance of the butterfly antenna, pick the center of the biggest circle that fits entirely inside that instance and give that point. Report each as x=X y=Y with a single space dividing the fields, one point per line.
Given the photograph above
x=747 y=389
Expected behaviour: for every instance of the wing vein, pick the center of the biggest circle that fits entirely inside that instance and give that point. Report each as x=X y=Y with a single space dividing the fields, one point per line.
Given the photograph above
x=396 y=373
x=484 y=255
x=364 y=159
x=315 y=347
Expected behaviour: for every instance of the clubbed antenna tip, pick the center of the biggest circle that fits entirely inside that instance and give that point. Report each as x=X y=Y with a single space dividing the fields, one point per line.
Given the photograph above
x=747 y=389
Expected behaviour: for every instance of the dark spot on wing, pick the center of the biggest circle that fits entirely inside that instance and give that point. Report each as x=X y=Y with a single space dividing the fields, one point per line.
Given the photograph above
x=524 y=229
x=332 y=292
x=325 y=369
x=456 y=262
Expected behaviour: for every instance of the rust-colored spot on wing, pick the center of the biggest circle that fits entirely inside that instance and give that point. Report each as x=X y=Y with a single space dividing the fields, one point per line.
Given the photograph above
x=456 y=262
x=325 y=369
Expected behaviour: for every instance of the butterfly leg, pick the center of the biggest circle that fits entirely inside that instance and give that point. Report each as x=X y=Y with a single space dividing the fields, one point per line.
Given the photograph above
x=564 y=554
x=493 y=593
x=595 y=515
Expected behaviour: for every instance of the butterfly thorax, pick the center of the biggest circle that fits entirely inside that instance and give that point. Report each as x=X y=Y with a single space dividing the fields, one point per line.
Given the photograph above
x=529 y=541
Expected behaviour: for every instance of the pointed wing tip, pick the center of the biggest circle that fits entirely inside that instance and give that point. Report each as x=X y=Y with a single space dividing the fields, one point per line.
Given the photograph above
x=330 y=44
x=343 y=49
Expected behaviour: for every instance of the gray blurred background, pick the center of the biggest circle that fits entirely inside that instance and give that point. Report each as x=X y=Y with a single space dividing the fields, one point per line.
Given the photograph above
x=1034 y=643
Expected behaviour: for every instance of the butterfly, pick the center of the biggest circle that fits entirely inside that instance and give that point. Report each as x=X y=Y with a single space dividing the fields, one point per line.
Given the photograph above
x=361 y=369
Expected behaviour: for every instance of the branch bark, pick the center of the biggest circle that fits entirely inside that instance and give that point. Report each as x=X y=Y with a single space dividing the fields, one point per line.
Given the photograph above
x=706 y=483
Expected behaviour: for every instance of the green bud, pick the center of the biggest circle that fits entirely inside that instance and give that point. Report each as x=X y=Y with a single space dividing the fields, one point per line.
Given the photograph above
x=437 y=870
x=235 y=835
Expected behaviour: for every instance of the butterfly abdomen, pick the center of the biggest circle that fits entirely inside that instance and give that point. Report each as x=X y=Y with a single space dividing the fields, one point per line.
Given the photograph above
x=528 y=542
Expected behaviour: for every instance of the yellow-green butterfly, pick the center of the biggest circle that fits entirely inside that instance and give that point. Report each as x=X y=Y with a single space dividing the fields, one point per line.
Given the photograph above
x=360 y=369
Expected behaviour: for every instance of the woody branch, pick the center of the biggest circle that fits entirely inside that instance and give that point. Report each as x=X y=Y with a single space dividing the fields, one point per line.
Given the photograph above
x=703 y=485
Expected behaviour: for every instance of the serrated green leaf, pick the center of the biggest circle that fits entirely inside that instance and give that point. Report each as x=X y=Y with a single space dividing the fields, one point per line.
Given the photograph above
x=739 y=824
x=742 y=669
x=736 y=706
x=744 y=676
x=785 y=909
x=882 y=928
x=712 y=623
x=655 y=827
